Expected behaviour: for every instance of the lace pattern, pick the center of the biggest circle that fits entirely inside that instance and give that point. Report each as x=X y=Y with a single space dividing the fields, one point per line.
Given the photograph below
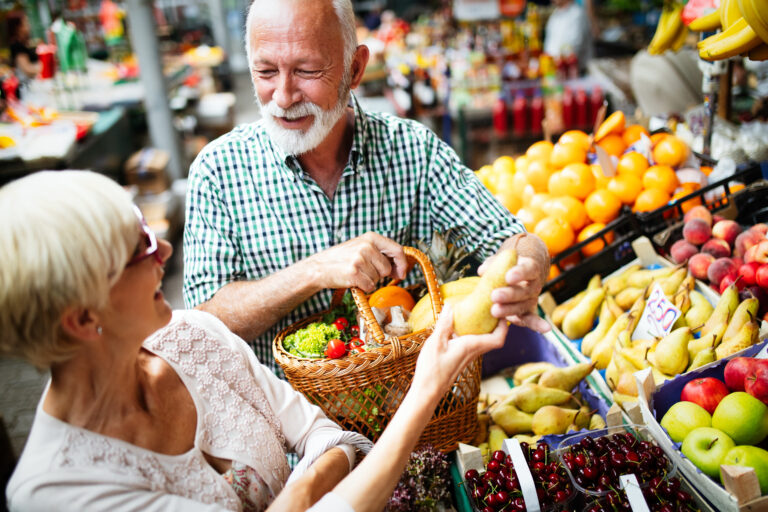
x=238 y=417
x=186 y=475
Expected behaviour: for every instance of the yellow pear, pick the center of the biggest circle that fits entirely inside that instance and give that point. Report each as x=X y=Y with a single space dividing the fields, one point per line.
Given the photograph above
x=496 y=437
x=627 y=384
x=615 y=284
x=615 y=308
x=603 y=349
x=512 y=420
x=604 y=322
x=628 y=296
x=533 y=396
x=703 y=357
x=718 y=320
x=671 y=354
x=565 y=378
x=746 y=337
x=745 y=312
x=596 y=422
x=623 y=400
x=551 y=419
x=699 y=311
x=643 y=278
x=637 y=355
x=472 y=315
x=527 y=370
x=561 y=310
x=580 y=319
x=670 y=284
x=696 y=345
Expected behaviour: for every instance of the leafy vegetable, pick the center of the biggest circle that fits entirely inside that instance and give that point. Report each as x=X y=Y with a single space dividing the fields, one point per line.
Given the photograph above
x=425 y=483
x=311 y=340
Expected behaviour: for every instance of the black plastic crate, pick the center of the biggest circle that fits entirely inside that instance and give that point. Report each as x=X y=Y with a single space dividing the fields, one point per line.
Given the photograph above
x=652 y=223
x=576 y=270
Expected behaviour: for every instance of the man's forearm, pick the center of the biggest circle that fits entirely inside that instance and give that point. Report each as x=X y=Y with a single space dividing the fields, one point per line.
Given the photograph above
x=250 y=308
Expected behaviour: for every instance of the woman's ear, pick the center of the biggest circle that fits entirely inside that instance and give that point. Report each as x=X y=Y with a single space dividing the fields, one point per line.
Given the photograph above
x=80 y=324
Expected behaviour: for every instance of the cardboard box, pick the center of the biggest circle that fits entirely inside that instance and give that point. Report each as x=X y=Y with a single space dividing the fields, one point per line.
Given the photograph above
x=146 y=170
x=654 y=403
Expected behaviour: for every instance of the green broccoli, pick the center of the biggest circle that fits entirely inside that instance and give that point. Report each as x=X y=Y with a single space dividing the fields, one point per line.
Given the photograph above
x=311 y=340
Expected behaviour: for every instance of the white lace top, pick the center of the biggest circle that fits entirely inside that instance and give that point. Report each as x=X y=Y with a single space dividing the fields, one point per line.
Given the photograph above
x=244 y=414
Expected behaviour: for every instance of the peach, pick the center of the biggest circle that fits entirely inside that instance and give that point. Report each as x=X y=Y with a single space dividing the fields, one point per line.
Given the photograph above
x=760 y=228
x=720 y=268
x=699 y=212
x=697 y=231
x=758 y=253
x=717 y=218
x=698 y=265
x=744 y=241
x=726 y=230
x=717 y=248
x=682 y=250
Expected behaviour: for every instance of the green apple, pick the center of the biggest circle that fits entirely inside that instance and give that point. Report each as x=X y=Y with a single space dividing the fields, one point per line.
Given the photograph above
x=750 y=456
x=683 y=417
x=706 y=447
x=743 y=417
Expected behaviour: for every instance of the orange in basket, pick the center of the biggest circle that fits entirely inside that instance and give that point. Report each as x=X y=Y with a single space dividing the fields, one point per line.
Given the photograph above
x=390 y=296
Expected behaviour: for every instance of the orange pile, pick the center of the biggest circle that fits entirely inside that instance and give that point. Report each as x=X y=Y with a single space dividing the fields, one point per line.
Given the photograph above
x=560 y=196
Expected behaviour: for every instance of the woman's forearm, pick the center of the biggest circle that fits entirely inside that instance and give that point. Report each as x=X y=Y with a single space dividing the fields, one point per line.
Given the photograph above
x=371 y=484
x=321 y=477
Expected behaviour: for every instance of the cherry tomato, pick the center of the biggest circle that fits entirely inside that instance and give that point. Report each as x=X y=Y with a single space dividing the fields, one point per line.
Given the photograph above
x=354 y=331
x=335 y=349
x=356 y=345
x=341 y=323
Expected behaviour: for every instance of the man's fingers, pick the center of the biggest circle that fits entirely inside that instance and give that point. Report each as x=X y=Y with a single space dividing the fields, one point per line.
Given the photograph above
x=525 y=270
x=531 y=321
x=512 y=294
x=394 y=251
x=444 y=324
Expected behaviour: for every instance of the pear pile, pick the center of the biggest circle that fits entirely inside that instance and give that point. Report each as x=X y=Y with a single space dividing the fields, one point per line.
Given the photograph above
x=618 y=304
x=543 y=401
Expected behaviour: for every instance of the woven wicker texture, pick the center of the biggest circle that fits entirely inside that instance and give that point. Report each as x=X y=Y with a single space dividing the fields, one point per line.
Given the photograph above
x=361 y=392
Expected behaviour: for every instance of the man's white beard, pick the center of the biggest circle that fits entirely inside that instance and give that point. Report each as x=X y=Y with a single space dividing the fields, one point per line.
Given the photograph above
x=297 y=142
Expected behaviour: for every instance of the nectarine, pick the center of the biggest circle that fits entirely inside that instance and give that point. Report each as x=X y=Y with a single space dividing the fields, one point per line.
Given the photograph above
x=720 y=268
x=682 y=250
x=726 y=230
x=698 y=265
x=699 y=212
x=717 y=248
x=697 y=231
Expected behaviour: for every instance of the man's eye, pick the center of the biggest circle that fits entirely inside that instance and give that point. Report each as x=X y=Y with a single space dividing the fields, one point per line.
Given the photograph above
x=265 y=72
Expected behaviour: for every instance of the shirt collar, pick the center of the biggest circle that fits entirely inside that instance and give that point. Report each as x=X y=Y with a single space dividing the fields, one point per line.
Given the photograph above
x=357 y=153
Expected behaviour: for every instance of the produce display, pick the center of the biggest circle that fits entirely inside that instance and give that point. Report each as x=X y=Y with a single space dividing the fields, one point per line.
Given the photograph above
x=722 y=252
x=562 y=194
x=544 y=401
x=701 y=335
x=720 y=422
x=582 y=474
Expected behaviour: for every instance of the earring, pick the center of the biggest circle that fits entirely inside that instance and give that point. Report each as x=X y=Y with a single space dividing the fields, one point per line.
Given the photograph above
x=98 y=329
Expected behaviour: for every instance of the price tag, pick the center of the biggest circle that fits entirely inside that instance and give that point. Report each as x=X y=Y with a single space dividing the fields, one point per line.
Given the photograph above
x=634 y=493
x=658 y=317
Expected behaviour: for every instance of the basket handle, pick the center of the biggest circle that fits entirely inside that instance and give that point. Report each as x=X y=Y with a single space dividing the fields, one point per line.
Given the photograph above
x=433 y=289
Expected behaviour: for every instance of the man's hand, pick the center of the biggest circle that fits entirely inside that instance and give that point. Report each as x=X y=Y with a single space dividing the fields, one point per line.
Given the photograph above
x=517 y=301
x=361 y=262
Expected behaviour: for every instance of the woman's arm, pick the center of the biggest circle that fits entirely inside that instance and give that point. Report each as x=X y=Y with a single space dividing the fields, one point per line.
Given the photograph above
x=321 y=477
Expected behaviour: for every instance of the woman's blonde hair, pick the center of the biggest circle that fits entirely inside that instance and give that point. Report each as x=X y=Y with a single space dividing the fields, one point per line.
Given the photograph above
x=65 y=238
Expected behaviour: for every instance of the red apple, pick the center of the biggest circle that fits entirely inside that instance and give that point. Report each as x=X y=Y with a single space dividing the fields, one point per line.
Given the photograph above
x=736 y=371
x=756 y=383
x=706 y=392
x=748 y=273
x=761 y=276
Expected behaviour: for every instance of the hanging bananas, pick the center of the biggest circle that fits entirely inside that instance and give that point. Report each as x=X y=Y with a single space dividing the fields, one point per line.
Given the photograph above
x=744 y=32
x=670 y=32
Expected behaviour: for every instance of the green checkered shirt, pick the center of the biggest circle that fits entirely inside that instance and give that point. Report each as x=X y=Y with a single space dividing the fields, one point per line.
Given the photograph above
x=252 y=211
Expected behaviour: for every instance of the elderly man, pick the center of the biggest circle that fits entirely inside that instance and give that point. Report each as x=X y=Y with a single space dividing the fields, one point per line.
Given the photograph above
x=319 y=195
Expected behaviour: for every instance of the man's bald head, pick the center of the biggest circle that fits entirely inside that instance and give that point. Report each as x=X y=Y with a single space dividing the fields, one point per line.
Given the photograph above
x=339 y=10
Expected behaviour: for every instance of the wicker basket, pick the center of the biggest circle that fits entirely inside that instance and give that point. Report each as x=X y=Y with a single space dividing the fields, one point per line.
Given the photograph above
x=361 y=392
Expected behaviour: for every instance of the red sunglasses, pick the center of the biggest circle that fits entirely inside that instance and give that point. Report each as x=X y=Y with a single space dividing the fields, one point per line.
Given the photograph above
x=149 y=239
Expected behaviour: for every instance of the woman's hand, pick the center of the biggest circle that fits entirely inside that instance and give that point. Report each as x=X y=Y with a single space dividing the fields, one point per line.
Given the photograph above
x=444 y=355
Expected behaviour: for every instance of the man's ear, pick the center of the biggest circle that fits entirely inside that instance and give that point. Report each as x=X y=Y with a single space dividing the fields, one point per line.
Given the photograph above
x=359 y=62
x=80 y=324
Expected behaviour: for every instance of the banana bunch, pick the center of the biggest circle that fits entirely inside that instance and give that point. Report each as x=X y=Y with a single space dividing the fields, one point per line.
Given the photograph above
x=670 y=32
x=744 y=30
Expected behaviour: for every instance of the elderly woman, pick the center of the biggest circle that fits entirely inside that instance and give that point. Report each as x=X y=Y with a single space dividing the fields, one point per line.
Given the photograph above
x=152 y=410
